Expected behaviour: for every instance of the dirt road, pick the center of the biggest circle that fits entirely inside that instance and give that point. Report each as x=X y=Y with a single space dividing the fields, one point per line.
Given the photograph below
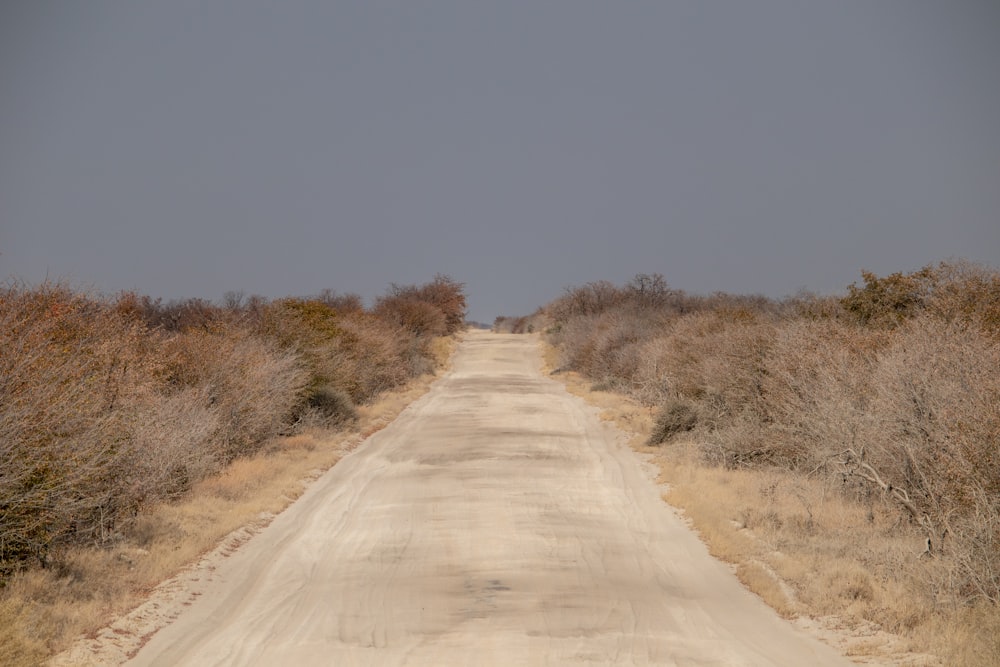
x=497 y=521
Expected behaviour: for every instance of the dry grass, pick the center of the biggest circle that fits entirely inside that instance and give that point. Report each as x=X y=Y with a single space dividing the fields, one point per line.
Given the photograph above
x=43 y=610
x=807 y=550
x=765 y=582
x=441 y=349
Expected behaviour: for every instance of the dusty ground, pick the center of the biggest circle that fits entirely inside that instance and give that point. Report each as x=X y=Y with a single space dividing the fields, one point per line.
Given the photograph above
x=496 y=521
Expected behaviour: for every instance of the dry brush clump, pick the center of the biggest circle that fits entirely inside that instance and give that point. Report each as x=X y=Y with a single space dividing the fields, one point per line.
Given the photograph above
x=101 y=414
x=951 y=291
x=134 y=432
x=817 y=390
x=250 y=385
x=891 y=392
x=108 y=405
x=434 y=309
x=932 y=446
x=75 y=375
x=351 y=357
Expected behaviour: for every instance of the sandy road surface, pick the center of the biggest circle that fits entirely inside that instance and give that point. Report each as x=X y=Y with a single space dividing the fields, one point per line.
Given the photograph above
x=497 y=521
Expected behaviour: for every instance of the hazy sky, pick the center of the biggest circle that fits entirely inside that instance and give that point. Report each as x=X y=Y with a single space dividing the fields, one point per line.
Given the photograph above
x=187 y=148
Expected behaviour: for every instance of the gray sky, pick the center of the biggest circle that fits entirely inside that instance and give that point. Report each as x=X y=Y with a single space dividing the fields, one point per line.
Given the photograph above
x=187 y=148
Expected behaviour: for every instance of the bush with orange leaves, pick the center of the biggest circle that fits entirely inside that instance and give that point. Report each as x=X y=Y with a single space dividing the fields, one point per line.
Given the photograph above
x=109 y=404
x=436 y=308
x=354 y=354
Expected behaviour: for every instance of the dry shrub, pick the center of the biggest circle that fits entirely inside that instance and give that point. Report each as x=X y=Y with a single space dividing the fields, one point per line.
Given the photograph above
x=419 y=318
x=253 y=386
x=341 y=303
x=817 y=387
x=933 y=437
x=172 y=444
x=715 y=362
x=888 y=301
x=438 y=352
x=436 y=308
x=311 y=330
x=732 y=363
x=179 y=315
x=99 y=415
x=969 y=293
x=608 y=346
x=448 y=296
x=618 y=347
x=614 y=330
x=681 y=356
x=676 y=417
x=951 y=291
x=74 y=374
x=299 y=324
x=652 y=384
x=357 y=353
x=590 y=299
x=328 y=407
x=739 y=441
x=378 y=356
x=574 y=340
x=349 y=352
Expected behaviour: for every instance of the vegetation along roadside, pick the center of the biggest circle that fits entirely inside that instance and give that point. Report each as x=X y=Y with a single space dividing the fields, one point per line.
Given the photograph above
x=135 y=435
x=841 y=452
